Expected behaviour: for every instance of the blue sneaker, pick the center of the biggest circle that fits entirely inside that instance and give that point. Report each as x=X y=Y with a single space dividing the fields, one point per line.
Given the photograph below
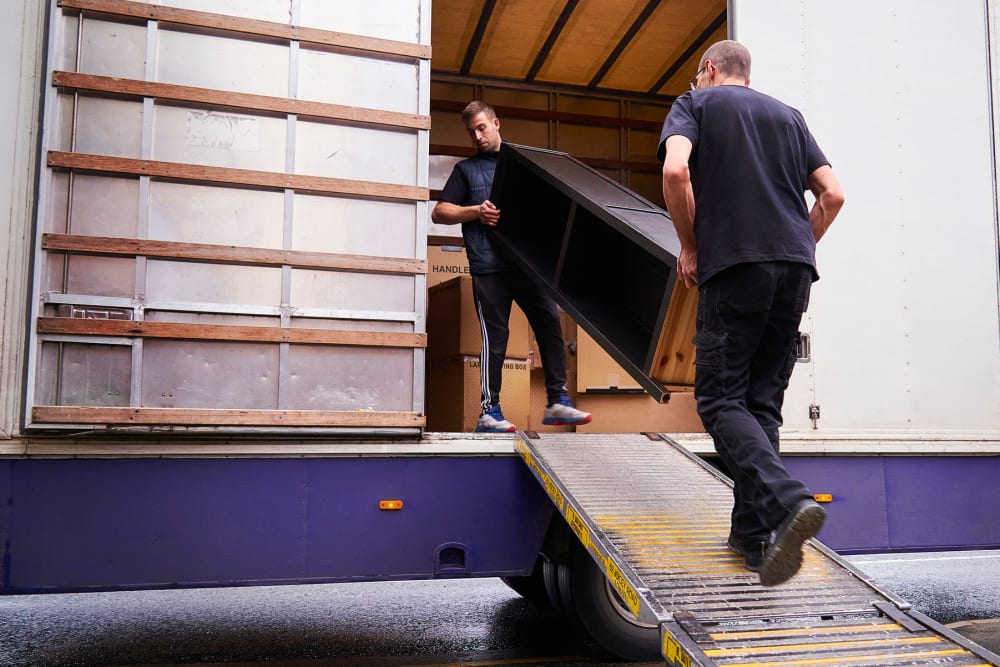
x=563 y=413
x=492 y=421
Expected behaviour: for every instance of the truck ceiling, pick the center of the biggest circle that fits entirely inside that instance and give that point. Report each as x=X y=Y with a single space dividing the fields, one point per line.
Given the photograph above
x=620 y=47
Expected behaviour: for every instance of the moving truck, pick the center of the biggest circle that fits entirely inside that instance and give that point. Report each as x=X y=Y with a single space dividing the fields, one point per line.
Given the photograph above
x=214 y=295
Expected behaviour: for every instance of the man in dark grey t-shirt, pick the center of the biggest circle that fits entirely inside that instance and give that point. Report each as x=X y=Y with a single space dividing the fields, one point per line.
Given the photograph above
x=736 y=167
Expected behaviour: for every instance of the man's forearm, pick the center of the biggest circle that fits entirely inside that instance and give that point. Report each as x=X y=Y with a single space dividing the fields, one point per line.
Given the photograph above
x=829 y=199
x=821 y=216
x=679 y=197
x=678 y=194
x=446 y=213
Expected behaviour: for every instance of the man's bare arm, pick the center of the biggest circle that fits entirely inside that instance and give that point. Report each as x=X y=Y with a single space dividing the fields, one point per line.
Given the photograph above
x=446 y=213
x=678 y=193
x=823 y=183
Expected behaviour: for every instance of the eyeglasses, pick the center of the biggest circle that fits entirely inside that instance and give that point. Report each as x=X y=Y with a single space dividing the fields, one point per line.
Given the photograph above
x=694 y=80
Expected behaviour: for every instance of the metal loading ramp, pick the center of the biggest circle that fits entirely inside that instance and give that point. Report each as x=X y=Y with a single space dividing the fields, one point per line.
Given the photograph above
x=655 y=518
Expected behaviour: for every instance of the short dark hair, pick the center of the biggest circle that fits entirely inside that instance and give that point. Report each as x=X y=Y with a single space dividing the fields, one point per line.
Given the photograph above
x=472 y=109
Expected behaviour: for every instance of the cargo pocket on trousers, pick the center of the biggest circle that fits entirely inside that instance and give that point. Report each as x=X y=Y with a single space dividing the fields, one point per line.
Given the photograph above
x=785 y=377
x=709 y=361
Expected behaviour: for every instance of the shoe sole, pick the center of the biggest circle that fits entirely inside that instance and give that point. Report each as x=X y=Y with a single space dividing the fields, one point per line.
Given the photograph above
x=497 y=430
x=566 y=422
x=784 y=558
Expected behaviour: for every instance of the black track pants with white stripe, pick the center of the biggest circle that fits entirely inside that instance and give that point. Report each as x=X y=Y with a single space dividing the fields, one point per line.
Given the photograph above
x=494 y=293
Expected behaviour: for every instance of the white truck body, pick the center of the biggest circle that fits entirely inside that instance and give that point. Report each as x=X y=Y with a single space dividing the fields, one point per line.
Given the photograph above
x=904 y=324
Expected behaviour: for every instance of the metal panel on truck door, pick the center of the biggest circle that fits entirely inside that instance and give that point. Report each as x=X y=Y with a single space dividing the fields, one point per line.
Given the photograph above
x=248 y=186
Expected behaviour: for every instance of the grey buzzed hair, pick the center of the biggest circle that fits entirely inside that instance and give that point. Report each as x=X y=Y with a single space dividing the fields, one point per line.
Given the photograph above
x=731 y=57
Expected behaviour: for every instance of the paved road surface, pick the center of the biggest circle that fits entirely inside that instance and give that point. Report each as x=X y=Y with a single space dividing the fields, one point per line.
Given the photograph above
x=477 y=622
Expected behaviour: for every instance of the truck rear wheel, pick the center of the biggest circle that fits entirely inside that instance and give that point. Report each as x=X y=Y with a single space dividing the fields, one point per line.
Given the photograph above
x=604 y=615
x=556 y=582
x=532 y=586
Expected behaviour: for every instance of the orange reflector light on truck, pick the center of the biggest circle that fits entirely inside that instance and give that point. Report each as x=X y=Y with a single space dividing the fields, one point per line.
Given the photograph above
x=823 y=497
x=390 y=504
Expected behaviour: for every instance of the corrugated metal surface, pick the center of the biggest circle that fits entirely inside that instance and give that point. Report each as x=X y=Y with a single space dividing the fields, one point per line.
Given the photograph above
x=650 y=510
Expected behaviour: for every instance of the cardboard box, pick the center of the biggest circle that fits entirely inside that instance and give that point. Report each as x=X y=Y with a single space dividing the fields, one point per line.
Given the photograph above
x=445 y=262
x=453 y=326
x=569 y=341
x=596 y=369
x=454 y=396
x=539 y=399
x=640 y=413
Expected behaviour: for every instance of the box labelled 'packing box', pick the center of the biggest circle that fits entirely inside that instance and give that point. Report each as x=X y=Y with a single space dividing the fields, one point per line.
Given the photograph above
x=454 y=394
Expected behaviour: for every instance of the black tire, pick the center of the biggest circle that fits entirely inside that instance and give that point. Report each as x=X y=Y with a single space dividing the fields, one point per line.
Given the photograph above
x=605 y=617
x=553 y=591
x=532 y=586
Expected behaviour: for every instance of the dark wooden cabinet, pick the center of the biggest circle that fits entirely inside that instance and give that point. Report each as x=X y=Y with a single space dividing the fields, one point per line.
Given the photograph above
x=606 y=255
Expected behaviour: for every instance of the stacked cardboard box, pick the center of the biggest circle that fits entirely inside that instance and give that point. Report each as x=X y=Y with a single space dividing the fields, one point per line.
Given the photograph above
x=454 y=343
x=453 y=326
x=453 y=393
x=597 y=384
x=445 y=262
x=639 y=413
x=597 y=371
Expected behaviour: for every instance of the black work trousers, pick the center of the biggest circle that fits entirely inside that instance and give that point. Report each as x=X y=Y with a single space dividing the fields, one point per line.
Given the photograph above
x=494 y=293
x=747 y=329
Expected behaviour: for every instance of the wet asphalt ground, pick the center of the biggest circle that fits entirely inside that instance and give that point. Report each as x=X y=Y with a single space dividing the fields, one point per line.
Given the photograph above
x=471 y=622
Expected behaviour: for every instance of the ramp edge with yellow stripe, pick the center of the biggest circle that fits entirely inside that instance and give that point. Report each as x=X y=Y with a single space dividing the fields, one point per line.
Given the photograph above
x=655 y=519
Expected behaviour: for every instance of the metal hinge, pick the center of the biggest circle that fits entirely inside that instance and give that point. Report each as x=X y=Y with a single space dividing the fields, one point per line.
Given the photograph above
x=814 y=414
x=94 y=312
x=803 y=348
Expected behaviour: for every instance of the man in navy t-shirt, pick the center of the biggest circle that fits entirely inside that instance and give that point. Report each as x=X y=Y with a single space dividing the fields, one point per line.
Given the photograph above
x=736 y=167
x=497 y=283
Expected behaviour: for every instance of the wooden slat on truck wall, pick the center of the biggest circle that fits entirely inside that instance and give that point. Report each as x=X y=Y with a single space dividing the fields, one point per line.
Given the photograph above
x=230 y=332
x=217 y=417
x=268 y=179
x=243 y=101
x=305 y=36
x=203 y=252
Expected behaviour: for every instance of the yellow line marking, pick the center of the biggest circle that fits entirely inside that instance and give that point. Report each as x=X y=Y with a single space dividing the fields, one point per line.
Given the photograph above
x=508 y=661
x=863 y=657
x=791 y=632
x=777 y=648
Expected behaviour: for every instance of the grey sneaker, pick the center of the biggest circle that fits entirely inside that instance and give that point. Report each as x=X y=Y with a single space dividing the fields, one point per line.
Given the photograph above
x=783 y=557
x=492 y=421
x=563 y=413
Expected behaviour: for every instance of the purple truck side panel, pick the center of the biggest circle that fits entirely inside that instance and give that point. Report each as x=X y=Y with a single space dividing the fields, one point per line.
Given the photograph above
x=106 y=524
x=857 y=518
x=905 y=503
x=101 y=524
